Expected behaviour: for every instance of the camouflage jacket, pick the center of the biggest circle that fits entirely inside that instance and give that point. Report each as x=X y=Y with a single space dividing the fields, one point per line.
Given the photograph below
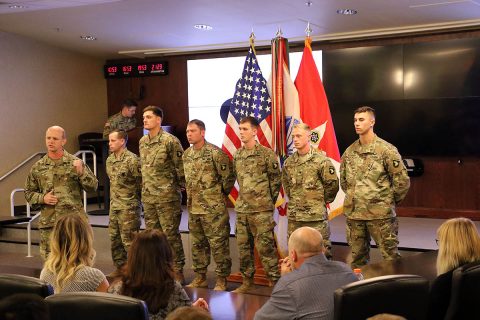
x=259 y=178
x=162 y=168
x=117 y=121
x=61 y=177
x=125 y=180
x=310 y=181
x=374 y=180
x=209 y=178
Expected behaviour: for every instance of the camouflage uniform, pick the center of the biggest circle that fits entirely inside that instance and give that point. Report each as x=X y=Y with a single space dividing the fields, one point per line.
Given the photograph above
x=310 y=181
x=61 y=177
x=259 y=178
x=118 y=122
x=209 y=178
x=125 y=185
x=163 y=176
x=374 y=180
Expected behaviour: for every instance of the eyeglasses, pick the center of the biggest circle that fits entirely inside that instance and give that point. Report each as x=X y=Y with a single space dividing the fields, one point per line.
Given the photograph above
x=436 y=240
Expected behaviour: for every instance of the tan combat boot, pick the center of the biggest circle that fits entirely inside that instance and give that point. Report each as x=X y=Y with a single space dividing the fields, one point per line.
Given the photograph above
x=245 y=287
x=221 y=284
x=180 y=277
x=200 y=281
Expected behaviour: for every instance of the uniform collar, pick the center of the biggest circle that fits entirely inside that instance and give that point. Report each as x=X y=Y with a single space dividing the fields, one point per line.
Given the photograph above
x=369 y=148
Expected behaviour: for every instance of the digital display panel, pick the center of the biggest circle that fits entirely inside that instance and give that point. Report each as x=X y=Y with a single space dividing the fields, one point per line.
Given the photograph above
x=146 y=69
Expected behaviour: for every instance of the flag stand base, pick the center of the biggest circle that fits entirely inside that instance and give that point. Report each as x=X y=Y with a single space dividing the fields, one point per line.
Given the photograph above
x=260 y=278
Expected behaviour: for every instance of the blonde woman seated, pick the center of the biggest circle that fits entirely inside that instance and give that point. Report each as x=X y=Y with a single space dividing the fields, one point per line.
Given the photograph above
x=150 y=276
x=458 y=244
x=69 y=264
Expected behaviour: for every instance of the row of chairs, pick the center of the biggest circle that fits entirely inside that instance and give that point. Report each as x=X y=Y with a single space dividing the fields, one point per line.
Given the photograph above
x=407 y=296
x=403 y=295
x=77 y=305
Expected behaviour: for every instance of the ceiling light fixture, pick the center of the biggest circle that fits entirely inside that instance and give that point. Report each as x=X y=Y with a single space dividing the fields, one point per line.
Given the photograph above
x=347 y=12
x=17 y=6
x=204 y=27
x=309 y=3
x=88 y=38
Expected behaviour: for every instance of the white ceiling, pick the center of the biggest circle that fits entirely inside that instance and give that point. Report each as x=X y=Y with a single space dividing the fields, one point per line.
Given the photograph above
x=143 y=27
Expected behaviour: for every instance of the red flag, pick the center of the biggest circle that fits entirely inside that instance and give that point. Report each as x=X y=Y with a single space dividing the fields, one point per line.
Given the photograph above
x=315 y=112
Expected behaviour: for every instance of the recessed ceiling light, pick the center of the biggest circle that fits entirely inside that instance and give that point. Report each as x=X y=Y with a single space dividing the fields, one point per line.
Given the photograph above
x=17 y=6
x=204 y=27
x=309 y=3
x=88 y=38
x=347 y=11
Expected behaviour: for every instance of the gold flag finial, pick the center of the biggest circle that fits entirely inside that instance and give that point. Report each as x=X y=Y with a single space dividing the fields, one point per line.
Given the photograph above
x=308 y=39
x=252 y=41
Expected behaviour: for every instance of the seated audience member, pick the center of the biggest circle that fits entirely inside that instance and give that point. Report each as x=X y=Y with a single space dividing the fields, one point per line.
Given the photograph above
x=69 y=265
x=189 y=313
x=24 y=306
x=458 y=244
x=308 y=280
x=150 y=277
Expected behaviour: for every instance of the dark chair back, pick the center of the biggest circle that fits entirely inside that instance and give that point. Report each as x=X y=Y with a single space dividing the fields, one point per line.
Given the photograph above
x=403 y=295
x=95 y=306
x=95 y=146
x=465 y=297
x=15 y=283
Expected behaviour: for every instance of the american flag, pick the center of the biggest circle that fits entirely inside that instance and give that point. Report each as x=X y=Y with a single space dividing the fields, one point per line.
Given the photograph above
x=251 y=98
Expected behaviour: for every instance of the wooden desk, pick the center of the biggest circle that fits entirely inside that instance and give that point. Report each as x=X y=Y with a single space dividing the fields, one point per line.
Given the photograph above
x=226 y=305
x=422 y=264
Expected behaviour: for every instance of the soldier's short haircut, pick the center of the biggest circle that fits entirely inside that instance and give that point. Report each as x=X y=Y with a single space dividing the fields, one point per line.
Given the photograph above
x=302 y=126
x=121 y=134
x=199 y=123
x=365 y=109
x=156 y=111
x=129 y=103
x=306 y=241
x=253 y=122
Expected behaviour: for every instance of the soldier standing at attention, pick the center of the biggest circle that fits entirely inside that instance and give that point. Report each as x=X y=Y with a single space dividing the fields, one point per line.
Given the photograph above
x=258 y=174
x=310 y=182
x=162 y=180
x=124 y=120
x=209 y=179
x=55 y=184
x=375 y=180
x=123 y=170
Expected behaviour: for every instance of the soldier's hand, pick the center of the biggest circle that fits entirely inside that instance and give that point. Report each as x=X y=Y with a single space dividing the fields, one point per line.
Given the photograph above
x=285 y=266
x=50 y=199
x=78 y=164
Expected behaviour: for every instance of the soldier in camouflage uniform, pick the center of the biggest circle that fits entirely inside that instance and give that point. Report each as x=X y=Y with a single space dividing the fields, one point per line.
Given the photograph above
x=55 y=184
x=162 y=180
x=375 y=180
x=123 y=170
x=310 y=182
x=258 y=174
x=124 y=120
x=209 y=178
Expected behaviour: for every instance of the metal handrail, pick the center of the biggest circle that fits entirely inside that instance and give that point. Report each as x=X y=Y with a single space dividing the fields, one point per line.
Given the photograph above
x=21 y=164
x=29 y=225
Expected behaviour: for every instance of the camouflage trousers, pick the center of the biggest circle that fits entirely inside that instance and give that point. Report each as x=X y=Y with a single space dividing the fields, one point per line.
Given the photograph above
x=322 y=226
x=45 y=242
x=383 y=231
x=256 y=230
x=210 y=232
x=121 y=228
x=166 y=218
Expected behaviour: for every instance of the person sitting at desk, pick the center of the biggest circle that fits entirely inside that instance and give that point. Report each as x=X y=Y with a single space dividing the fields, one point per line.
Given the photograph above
x=308 y=280
x=150 y=277
x=458 y=244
